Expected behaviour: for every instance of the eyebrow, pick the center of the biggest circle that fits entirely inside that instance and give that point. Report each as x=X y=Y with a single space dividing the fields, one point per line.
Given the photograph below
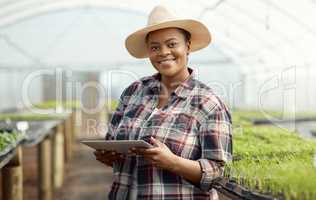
x=164 y=41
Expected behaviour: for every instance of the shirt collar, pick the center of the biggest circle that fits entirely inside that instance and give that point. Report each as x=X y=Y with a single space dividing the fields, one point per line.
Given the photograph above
x=183 y=90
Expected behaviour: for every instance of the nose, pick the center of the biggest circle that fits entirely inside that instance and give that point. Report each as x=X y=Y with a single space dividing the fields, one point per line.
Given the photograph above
x=164 y=50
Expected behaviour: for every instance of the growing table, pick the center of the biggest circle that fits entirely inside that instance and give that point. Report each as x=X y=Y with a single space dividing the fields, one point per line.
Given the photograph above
x=53 y=140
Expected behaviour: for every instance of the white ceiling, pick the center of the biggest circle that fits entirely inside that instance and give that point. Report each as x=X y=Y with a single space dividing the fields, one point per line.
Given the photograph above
x=256 y=35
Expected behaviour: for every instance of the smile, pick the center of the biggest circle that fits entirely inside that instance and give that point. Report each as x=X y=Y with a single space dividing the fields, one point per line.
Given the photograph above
x=166 y=61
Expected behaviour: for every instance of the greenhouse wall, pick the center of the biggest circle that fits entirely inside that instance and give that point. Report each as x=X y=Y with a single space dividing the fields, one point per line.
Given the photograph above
x=12 y=85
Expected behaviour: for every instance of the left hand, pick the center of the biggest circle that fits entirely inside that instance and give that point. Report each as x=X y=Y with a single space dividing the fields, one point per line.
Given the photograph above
x=160 y=155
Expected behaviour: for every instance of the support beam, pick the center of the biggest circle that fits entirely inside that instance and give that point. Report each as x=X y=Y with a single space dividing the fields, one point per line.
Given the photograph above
x=45 y=170
x=58 y=157
x=68 y=139
x=12 y=178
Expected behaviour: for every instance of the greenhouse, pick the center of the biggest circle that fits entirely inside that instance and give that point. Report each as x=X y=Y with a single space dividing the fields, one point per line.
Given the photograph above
x=152 y=99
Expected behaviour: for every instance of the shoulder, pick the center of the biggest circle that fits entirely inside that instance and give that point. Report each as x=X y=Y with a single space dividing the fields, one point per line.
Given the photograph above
x=137 y=86
x=206 y=101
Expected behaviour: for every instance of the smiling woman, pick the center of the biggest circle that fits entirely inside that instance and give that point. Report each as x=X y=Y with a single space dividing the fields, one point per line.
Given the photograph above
x=189 y=126
x=168 y=52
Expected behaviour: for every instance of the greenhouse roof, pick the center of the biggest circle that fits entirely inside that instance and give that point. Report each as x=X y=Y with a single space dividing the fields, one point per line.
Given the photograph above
x=255 y=35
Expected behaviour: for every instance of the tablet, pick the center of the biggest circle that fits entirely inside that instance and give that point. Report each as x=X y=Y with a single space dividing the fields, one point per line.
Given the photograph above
x=120 y=146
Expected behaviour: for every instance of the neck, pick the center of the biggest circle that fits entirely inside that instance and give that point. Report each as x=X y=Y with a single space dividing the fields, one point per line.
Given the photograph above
x=172 y=82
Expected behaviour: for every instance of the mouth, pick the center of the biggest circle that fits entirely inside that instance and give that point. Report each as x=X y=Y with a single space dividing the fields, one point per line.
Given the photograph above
x=165 y=61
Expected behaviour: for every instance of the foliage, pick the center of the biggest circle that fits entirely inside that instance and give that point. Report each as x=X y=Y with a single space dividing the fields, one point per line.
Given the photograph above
x=30 y=116
x=272 y=160
x=56 y=104
x=9 y=139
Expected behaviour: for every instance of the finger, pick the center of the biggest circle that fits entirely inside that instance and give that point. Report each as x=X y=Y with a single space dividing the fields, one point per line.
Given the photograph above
x=155 y=142
x=131 y=153
x=106 y=161
x=102 y=161
x=122 y=156
x=133 y=150
x=154 y=158
x=102 y=158
x=139 y=151
x=107 y=155
x=101 y=152
x=116 y=156
x=151 y=151
x=111 y=154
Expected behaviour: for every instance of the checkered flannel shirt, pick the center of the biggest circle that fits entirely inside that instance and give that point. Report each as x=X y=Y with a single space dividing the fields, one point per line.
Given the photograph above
x=195 y=124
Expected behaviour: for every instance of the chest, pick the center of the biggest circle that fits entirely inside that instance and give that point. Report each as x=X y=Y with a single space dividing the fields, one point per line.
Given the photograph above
x=174 y=124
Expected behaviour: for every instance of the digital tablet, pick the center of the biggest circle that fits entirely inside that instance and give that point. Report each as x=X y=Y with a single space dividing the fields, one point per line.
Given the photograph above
x=120 y=146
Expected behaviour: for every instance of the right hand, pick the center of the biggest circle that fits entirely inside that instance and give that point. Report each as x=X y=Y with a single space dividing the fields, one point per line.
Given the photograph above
x=108 y=157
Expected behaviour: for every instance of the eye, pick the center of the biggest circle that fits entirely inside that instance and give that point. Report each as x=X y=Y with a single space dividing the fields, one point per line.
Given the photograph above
x=154 y=48
x=172 y=44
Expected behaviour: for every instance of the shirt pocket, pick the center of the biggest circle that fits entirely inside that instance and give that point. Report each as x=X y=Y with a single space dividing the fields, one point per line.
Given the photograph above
x=181 y=136
x=128 y=129
x=123 y=129
x=130 y=124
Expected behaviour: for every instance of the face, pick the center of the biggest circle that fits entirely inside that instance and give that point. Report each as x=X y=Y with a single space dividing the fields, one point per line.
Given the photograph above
x=168 y=51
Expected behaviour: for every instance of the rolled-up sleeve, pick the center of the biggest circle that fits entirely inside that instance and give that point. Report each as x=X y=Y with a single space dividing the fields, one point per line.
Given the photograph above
x=216 y=145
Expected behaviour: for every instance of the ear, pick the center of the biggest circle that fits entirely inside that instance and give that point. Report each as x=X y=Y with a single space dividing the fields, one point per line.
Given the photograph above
x=189 y=47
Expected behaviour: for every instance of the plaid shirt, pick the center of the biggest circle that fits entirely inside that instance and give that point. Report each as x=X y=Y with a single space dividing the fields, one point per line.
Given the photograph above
x=195 y=124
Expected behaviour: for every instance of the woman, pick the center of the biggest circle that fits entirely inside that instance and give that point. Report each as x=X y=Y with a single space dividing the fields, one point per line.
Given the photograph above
x=188 y=125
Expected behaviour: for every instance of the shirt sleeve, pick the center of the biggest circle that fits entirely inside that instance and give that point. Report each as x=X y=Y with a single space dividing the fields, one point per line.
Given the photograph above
x=216 y=145
x=119 y=112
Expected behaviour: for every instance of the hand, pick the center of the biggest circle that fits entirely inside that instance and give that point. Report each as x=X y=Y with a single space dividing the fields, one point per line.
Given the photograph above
x=160 y=155
x=108 y=157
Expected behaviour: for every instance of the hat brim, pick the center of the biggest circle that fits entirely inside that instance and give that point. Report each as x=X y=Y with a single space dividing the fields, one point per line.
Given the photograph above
x=200 y=36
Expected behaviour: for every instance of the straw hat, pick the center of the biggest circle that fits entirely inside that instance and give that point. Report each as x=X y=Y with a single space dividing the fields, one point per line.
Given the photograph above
x=159 y=18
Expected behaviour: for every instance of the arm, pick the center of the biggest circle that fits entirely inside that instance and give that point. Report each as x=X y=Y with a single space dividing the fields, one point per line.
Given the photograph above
x=191 y=170
x=188 y=169
x=216 y=145
x=119 y=112
x=108 y=157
